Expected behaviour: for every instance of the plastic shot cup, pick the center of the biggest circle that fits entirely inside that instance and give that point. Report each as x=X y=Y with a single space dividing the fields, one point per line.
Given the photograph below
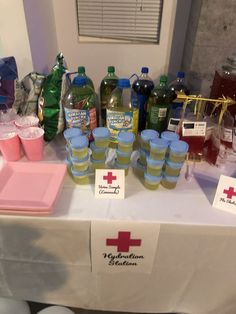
x=82 y=178
x=98 y=153
x=122 y=166
x=178 y=151
x=169 y=136
x=154 y=167
x=169 y=182
x=79 y=146
x=173 y=168
x=98 y=164
x=151 y=182
x=101 y=137
x=143 y=157
x=146 y=136
x=123 y=158
x=70 y=133
x=33 y=143
x=80 y=165
x=26 y=122
x=125 y=141
x=158 y=148
x=9 y=143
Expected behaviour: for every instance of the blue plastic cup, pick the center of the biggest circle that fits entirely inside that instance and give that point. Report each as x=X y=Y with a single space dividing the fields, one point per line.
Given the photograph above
x=146 y=136
x=178 y=151
x=158 y=148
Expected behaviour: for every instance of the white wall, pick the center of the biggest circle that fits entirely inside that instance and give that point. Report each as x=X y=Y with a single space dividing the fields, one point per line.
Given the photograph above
x=14 y=39
x=128 y=58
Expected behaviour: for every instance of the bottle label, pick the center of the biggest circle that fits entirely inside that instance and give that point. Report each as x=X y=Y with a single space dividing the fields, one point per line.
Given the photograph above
x=173 y=124
x=194 y=128
x=209 y=132
x=83 y=119
x=157 y=114
x=227 y=135
x=121 y=121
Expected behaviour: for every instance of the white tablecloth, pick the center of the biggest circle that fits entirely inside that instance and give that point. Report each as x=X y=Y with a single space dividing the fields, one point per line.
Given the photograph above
x=47 y=259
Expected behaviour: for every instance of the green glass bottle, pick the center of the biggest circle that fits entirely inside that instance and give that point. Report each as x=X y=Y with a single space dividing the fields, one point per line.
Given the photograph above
x=81 y=73
x=108 y=84
x=158 y=106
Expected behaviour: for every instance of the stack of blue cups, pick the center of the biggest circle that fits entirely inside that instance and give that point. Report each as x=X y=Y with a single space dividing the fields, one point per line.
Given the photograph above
x=124 y=150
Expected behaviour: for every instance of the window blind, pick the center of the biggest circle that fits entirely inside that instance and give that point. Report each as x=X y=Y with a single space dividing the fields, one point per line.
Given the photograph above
x=125 y=20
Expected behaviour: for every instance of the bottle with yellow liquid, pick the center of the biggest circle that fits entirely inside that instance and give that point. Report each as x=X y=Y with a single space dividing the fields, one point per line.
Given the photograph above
x=122 y=111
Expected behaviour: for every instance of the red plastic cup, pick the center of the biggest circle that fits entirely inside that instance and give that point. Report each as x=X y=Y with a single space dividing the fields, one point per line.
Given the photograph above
x=33 y=143
x=10 y=145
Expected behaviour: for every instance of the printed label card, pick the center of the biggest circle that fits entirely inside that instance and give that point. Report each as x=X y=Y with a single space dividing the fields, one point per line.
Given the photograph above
x=225 y=197
x=110 y=183
x=120 y=246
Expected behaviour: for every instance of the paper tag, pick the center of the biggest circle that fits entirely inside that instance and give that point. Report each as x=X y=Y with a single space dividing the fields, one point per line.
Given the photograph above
x=225 y=197
x=227 y=135
x=173 y=124
x=194 y=128
x=121 y=246
x=110 y=183
x=209 y=132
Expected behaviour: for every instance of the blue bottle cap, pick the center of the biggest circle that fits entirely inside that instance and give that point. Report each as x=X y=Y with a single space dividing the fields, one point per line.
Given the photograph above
x=169 y=136
x=123 y=154
x=174 y=165
x=97 y=149
x=125 y=137
x=101 y=132
x=3 y=99
x=180 y=74
x=79 y=141
x=154 y=179
x=80 y=81
x=72 y=132
x=119 y=166
x=144 y=70
x=148 y=134
x=158 y=143
x=79 y=173
x=170 y=178
x=96 y=161
x=75 y=160
x=179 y=147
x=123 y=83
x=153 y=162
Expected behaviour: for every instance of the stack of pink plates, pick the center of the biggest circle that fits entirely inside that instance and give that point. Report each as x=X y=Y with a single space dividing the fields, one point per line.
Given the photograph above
x=30 y=188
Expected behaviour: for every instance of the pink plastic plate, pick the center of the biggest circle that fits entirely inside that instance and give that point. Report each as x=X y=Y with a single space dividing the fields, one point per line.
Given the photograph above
x=30 y=188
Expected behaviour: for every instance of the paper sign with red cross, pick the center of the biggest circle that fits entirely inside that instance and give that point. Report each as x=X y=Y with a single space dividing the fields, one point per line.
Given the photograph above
x=121 y=246
x=110 y=184
x=225 y=197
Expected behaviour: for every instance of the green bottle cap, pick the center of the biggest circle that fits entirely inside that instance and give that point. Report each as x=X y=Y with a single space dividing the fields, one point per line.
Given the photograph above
x=111 y=69
x=163 y=79
x=81 y=70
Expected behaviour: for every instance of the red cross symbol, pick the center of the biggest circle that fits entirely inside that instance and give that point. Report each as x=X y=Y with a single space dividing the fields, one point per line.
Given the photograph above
x=123 y=242
x=230 y=192
x=109 y=177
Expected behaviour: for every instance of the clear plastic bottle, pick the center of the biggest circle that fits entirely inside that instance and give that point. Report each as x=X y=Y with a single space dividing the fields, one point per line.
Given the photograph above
x=79 y=106
x=143 y=87
x=122 y=110
x=175 y=109
x=108 y=84
x=158 y=106
x=81 y=73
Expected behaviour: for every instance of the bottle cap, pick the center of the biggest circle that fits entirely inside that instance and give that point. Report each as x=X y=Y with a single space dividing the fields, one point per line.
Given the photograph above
x=179 y=147
x=81 y=69
x=101 y=132
x=72 y=132
x=3 y=99
x=149 y=134
x=163 y=79
x=111 y=69
x=174 y=165
x=154 y=179
x=123 y=83
x=155 y=163
x=80 y=81
x=144 y=70
x=125 y=137
x=180 y=74
x=158 y=143
x=79 y=141
x=169 y=136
